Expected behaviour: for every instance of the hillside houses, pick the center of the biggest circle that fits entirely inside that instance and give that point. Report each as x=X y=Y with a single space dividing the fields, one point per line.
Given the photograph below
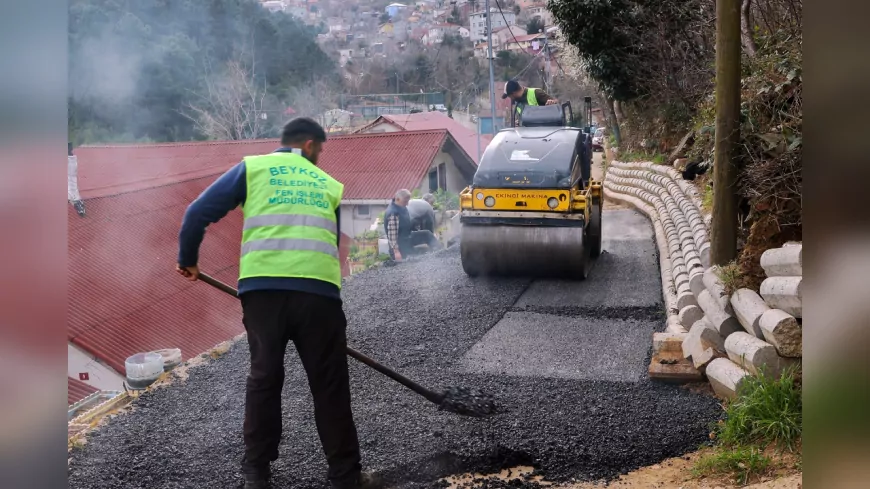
x=436 y=33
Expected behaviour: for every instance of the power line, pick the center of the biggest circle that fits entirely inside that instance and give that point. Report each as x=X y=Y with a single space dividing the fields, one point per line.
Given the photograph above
x=508 y=27
x=528 y=65
x=501 y=12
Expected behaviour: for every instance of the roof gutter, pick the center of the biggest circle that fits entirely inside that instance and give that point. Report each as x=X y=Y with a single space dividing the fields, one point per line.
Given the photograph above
x=366 y=201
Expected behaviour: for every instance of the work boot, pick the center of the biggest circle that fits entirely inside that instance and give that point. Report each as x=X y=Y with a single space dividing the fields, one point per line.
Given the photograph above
x=362 y=481
x=256 y=481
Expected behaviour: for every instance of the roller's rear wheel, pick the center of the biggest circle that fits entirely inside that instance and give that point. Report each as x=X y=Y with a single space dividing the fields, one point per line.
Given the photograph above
x=594 y=243
x=581 y=269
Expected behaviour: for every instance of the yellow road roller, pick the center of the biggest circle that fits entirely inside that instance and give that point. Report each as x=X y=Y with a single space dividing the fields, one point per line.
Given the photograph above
x=532 y=208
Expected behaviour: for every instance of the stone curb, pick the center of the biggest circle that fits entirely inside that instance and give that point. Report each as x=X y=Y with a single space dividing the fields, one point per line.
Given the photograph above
x=725 y=377
x=783 y=293
x=756 y=332
x=783 y=262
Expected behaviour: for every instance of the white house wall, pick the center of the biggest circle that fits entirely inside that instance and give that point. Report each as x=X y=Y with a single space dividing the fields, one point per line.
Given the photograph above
x=100 y=375
x=455 y=182
x=352 y=224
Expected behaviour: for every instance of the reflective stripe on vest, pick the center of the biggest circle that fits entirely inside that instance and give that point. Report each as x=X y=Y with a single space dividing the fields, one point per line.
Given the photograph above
x=289 y=244
x=290 y=228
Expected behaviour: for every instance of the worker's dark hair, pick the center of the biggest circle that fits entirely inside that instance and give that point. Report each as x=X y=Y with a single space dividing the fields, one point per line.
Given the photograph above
x=302 y=129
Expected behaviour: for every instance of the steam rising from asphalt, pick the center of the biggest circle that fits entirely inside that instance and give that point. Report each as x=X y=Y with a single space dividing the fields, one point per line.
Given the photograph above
x=100 y=71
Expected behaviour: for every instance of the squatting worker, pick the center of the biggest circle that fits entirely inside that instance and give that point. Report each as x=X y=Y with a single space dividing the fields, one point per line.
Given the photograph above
x=422 y=213
x=404 y=233
x=289 y=284
x=524 y=96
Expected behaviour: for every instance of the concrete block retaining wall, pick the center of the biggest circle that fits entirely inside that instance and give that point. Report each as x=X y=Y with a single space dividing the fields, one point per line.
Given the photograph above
x=725 y=336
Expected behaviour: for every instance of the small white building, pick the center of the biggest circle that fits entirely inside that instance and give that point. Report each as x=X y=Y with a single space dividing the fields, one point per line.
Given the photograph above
x=275 y=5
x=542 y=13
x=394 y=9
x=503 y=36
x=477 y=22
x=436 y=33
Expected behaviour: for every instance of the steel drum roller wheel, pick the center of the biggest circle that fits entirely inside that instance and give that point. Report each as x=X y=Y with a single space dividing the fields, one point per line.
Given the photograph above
x=524 y=250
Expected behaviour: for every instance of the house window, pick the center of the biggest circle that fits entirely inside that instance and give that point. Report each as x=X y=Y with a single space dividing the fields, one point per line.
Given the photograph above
x=362 y=211
x=433 y=180
x=442 y=176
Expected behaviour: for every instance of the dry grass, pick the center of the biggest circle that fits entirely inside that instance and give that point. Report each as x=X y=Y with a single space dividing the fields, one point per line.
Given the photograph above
x=743 y=463
x=731 y=276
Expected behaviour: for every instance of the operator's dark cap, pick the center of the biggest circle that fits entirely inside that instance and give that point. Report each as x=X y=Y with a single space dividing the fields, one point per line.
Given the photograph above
x=510 y=87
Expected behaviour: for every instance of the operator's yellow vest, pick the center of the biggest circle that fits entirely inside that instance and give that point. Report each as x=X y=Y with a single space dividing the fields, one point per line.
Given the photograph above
x=531 y=99
x=290 y=229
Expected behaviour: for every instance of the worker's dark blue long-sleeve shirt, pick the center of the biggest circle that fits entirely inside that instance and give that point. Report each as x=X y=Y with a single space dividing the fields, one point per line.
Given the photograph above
x=225 y=194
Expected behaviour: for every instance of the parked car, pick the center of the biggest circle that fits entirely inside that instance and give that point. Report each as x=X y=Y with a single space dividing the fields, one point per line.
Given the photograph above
x=598 y=140
x=440 y=107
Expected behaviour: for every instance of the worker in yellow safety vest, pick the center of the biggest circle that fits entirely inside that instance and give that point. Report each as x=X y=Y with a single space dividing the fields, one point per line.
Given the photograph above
x=289 y=285
x=523 y=96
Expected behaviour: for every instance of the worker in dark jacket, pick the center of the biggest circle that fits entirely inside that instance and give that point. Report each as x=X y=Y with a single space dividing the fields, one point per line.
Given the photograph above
x=422 y=213
x=523 y=96
x=289 y=285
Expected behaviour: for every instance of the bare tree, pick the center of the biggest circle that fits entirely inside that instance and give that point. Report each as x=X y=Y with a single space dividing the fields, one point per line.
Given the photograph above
x=319 y=101
x=747 y=27
x=573 y=67
x=231 y=107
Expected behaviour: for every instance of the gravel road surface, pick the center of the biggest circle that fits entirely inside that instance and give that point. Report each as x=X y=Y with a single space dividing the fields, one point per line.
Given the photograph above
x=566 y=362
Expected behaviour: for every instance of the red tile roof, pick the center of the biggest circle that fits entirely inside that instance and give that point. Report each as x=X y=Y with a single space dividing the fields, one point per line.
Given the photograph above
x=465 y=137
x=124 y=295
x=524 y=38
x=76 y=390
x=374 y=166
x=371 y=166
x=115 y=169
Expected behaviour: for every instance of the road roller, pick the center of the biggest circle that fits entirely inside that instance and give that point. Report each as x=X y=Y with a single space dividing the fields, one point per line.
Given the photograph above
x=533 y=208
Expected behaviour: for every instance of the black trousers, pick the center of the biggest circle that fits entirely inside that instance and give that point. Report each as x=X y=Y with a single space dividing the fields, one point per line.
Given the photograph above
x=316 y=325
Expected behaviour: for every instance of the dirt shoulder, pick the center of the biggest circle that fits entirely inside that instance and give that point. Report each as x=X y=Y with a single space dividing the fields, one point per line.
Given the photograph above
x=677 y=473
x=673 y=473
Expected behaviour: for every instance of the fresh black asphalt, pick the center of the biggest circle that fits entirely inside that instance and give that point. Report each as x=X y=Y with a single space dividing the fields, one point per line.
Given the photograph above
x=565 y=361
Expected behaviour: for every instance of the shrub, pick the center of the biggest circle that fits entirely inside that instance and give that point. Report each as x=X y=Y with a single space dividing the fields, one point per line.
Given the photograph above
x=370 y=235
x=446 y=201
x=766 y=411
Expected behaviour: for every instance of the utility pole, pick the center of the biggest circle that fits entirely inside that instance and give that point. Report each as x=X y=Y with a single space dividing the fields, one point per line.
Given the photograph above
x=724 y=226
x=491 y=74
x=547 y=67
